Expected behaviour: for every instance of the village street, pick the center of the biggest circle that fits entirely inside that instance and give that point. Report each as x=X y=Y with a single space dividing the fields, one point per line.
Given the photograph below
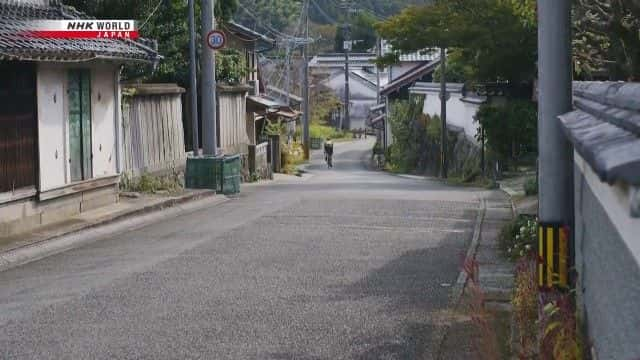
x=340 y=264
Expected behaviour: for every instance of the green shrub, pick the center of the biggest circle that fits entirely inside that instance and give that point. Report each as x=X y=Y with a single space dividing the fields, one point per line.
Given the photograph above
x=519 y=237
x=325 y=132
x=231 y=66
x=531 y=186
x=511 y=130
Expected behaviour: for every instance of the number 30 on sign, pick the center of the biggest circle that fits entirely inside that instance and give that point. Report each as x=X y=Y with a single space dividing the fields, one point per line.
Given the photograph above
x=216 y=39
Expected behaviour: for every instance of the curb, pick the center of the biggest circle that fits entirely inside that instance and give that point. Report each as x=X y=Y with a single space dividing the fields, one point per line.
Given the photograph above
x=458 y=288
x=463 y=277
x=95 y=231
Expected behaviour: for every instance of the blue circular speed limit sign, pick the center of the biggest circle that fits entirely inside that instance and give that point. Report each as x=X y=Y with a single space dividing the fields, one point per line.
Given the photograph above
x=216 y=39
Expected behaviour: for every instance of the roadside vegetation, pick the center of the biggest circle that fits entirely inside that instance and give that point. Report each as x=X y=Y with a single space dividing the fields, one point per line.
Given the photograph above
x=152 y=184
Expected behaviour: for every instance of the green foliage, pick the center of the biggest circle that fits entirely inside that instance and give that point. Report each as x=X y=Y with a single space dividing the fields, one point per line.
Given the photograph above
x=491 y=36
x=531 y=186
x=280 y=15
x=606 y=37
x=408 y=133
x=519 y=237
x=362 y=32
x=150 y=184
x=510 y=130
x=275 y=128
x=168 y=25
x=231 y=66
x=458 y=71
x=323 y=103
x=326 y=132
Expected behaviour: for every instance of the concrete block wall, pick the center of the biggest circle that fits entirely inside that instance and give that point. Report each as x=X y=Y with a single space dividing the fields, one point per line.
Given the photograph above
x=29 y=214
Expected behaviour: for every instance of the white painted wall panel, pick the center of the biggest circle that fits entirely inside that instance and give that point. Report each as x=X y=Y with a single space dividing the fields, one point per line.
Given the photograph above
x=459 y=113
x=51 y=127
x=102 y=118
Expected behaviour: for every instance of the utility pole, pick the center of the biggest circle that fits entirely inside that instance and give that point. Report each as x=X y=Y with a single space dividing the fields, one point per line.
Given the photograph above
x=347 y=48
x=193 y=79
x=554 y=86
x=305 y=86
x=209 y=136
x=287 y=63
x=443 y=111
x=378 y=55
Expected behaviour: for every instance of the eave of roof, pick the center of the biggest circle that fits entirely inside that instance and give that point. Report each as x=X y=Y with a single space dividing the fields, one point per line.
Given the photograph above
x=282 y=93
x=262 y=42
x=13 y=46
x=409 y=77
x=604 y=129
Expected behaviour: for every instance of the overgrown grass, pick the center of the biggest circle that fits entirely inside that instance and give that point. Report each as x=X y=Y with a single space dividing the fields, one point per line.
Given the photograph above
x=150 y=184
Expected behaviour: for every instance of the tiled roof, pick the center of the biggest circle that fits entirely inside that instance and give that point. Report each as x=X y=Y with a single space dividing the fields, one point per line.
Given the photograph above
x=17 y=47
x=261 y=42
x=337 y=60
x=605 y=129
x=425 y=55
x=411 y=76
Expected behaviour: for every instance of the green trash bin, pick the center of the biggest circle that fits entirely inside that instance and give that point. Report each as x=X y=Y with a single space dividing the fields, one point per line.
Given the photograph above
x=230 y=175
x=316 y=143
x=202 y=172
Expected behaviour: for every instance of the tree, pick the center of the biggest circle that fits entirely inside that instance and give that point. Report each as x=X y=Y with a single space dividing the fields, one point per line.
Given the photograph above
x=278 y=15
x=493 y=37
x=607 y=37
x=166 y=22
x=363 y=33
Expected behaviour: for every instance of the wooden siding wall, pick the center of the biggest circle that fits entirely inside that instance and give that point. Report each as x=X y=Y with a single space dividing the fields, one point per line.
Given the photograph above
x=18 y=126
x=233 y=122
x=153 y=133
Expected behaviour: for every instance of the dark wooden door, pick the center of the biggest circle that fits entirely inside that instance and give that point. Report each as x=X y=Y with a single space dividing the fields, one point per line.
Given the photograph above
x=18 y=126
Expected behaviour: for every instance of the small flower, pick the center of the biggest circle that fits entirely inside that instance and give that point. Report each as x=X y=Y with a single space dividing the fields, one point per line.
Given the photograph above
x=517 y=237
x=527 y=247
x=521 y=252
x=509 y=250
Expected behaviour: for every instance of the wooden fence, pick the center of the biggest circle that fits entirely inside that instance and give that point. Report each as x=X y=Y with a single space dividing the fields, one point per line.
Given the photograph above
x=153 y=139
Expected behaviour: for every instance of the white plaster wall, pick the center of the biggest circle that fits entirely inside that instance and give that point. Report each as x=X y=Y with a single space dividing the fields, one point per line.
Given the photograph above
x=362 y=98
x=617 y=203
x=357 y=89
x=459 y=113
x=102 y=119
x=52 y=138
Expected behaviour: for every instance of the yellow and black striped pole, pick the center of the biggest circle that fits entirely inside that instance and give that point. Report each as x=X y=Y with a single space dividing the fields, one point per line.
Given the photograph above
x=554 y=256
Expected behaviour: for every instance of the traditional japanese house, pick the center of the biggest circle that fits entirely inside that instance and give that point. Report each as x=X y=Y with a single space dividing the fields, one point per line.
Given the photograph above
x=60 y=121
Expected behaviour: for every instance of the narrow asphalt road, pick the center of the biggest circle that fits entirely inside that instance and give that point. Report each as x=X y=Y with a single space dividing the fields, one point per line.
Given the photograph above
x=345 y=263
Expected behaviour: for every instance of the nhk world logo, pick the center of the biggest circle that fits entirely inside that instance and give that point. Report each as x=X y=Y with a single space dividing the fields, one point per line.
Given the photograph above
x=82 y=29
